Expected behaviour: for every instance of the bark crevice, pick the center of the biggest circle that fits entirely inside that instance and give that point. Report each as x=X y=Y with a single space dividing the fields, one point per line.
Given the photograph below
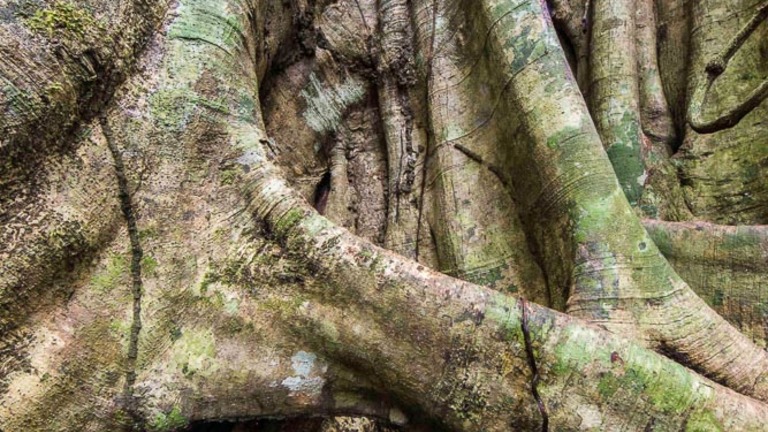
x=129 y=402
x=535 y=377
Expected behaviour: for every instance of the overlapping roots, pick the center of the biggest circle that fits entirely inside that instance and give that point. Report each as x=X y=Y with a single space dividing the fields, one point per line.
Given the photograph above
x=467 y=91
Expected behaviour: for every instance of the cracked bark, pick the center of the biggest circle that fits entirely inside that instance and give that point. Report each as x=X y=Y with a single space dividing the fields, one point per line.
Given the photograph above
x=137 y=254
x=532 y=364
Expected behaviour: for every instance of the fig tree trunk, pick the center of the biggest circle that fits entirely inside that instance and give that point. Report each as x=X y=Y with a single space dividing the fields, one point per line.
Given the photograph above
x=380 y=215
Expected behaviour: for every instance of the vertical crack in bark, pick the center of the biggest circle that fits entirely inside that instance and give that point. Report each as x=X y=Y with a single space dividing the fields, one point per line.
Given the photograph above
x=362 y=16
x=532 y=364
x=137 y=254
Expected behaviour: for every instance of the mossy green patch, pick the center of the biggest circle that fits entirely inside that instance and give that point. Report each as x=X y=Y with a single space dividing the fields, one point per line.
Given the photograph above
x=486 y=277
x=149 y=265
x=175 y=331
x=106 y=279
x=505 y=311
x=236 y=271
x=63 y=18
x=561 y=135
x=235 y=325
x=527 y=43
x=718 y=297
x=170 y=421
x=761 y=309
x=626 y=158
x=147 y=233
x=53 y=91
x=291 y=218
x=630 y=381
x=229 y=176
x=634 y=371
x=662 y=239
x=703 y=421
x=119 y=328
x=283 y=306
x=209 y=278
x=174 y=108
x=734 y=241
x=247 y=108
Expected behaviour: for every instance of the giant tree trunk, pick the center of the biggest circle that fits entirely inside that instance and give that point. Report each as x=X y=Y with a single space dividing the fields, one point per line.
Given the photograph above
x=435 y=214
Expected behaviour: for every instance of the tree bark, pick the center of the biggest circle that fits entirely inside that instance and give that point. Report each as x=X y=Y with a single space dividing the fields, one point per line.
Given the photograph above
x=243 y=210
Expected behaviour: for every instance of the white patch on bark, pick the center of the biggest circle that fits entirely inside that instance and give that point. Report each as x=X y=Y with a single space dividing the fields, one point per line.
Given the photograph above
x=326 y=106
x=308 y=378
x=249 y=141
x=590 y=417
x=641 y=179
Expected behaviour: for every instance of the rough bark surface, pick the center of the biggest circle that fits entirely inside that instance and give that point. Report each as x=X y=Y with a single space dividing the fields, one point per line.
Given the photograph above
x=382 y=215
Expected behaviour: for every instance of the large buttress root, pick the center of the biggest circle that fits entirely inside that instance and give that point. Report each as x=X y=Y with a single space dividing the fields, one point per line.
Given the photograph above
x=614 y=90
x=399 y=297
x=478 y=233
x=618 y=277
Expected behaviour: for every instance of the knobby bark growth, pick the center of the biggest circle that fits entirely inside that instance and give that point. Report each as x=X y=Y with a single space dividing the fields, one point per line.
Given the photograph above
x=383 y=214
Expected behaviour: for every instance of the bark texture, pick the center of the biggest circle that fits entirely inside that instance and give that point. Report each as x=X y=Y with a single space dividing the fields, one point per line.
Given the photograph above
x=381 y=215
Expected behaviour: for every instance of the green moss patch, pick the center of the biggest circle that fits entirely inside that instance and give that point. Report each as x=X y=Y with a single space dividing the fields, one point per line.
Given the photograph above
x=63 y=19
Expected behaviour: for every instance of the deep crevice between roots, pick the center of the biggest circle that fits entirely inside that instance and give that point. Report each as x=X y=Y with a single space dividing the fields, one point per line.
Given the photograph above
x=322 y=191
